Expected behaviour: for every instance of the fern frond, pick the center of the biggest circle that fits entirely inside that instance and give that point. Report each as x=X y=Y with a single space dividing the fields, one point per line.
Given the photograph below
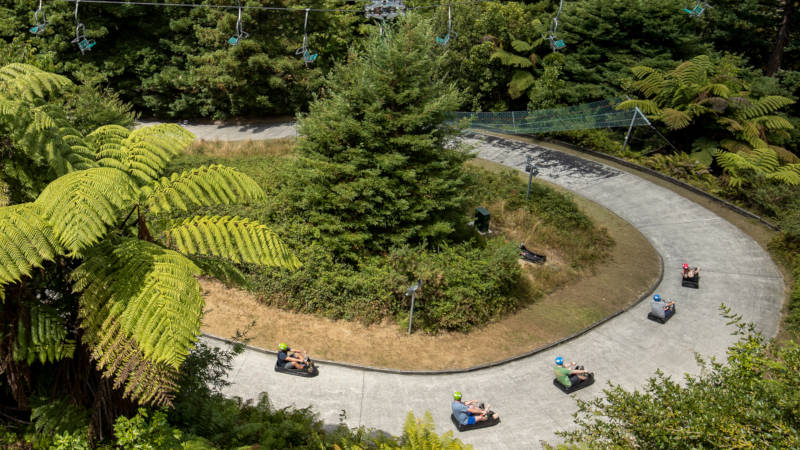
x=733 y=162
x=765 y=159
x=29 y=82
x=82 y=205
x=26 y=240
x=521 y=80
x=675 y=119
x=693 y=71
x=202 y=186
x=148 y=291
x=145 y=152
x=719 y=90
x=764 y=106
x=773 y=122
x=521 y=46
x=120 y=358
x=51 y=416
x=234 y=238
x=648 y=107
x=788 y=174
x=42 y=336
x=642 y=71
x=510 y=59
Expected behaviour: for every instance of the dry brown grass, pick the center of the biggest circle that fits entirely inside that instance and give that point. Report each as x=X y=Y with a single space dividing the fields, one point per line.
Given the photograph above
x=239 y=149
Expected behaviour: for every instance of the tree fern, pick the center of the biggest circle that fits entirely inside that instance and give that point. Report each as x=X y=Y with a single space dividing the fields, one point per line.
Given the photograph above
x=202 y=186
x=238 y=239
x=82 y=205
x=26 y=240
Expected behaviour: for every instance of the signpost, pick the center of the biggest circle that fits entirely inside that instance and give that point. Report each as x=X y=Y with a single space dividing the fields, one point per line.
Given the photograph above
x=413 y=292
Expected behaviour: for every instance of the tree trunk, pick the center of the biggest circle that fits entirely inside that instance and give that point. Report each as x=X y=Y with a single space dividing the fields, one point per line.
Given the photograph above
x=17 y=373
x=781 y=40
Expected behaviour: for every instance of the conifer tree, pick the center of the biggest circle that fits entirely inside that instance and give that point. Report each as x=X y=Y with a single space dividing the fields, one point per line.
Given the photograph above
x=375 y=168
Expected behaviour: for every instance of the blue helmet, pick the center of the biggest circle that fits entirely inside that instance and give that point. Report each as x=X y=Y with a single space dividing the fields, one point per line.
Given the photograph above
x=657 y=298
x=559 y=360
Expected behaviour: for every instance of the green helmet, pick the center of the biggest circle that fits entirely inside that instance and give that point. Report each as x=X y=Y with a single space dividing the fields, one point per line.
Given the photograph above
x=457 y=395
x=283 y=347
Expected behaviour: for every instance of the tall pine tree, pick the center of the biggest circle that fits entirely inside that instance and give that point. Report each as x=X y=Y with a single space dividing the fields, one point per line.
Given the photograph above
x=375 y=170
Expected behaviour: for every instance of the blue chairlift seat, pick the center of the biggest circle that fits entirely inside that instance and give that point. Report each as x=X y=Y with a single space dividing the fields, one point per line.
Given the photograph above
x=444 y=40
x=559 y=44
x=233 y=40
x=86 y=44
x=309 y=57
x=696 y=11
x=36 y=29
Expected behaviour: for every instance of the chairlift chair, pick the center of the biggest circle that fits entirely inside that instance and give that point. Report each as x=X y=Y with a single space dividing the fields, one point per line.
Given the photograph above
x=556 y=44
x=240 y=33
x=698 y=10
x=444 y=40
x=308 y=56
x=83 y=43
x=40 y=19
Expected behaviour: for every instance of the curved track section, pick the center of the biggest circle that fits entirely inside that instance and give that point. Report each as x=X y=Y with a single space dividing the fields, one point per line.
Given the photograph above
x=625 y=350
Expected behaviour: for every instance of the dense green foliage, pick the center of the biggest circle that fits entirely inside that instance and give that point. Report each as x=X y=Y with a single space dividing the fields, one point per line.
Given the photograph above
x=749 y=401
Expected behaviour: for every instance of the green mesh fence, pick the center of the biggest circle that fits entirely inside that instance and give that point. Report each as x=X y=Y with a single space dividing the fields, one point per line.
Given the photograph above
x=600 y=114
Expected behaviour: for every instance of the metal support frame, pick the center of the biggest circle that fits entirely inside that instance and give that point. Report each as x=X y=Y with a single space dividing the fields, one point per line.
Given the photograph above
x=637 y=111
x=531 y=169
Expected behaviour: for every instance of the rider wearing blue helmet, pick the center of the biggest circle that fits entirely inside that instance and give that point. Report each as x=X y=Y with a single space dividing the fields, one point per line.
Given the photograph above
x=567 y=375
x=661 y=308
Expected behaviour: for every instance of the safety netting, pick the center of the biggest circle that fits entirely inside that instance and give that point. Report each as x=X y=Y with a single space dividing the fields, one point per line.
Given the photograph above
x=601 y=114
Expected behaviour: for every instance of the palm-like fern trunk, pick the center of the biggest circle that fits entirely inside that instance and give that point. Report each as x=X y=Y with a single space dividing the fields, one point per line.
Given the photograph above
x=781 y=40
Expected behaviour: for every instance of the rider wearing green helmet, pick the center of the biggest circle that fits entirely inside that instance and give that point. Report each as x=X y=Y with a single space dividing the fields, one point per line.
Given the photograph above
x=291 y=359
x=469 y=412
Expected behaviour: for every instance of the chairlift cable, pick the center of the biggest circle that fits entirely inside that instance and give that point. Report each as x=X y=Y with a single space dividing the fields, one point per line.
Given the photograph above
x=266 y=8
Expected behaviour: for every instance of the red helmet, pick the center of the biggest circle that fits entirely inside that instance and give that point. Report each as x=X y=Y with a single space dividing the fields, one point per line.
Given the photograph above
x=685 y=266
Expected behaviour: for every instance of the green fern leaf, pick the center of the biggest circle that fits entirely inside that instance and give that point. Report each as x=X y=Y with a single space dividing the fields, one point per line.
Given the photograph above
x=510 y=59
x=520 y=82
x=234 y=238
x=647 y=107
x=26 y=240
x=202 y=186
x=149 y=291
x=145 y=152
x=764 y=106
x=82 y=205
x=675 y=119
x=45 y=339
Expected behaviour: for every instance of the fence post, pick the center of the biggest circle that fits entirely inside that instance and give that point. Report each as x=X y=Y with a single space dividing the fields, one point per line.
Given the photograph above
x=514 y=122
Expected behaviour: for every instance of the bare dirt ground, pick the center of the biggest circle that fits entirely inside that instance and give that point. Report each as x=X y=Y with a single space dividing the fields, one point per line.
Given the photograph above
x=628 y=273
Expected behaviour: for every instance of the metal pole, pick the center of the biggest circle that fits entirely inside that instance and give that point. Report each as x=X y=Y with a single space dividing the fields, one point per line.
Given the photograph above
x=413 y=291
x=630 y=128
x=411 y=316
x=529 y=169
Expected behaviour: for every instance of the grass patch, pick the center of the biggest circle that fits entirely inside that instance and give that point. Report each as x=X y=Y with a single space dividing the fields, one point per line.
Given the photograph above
x=469 y=282
x=241 y=149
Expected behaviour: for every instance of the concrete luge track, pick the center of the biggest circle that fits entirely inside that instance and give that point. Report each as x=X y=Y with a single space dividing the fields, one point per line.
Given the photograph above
x=625 y=350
